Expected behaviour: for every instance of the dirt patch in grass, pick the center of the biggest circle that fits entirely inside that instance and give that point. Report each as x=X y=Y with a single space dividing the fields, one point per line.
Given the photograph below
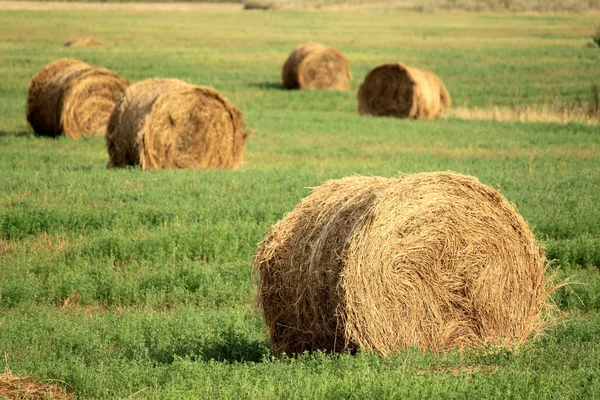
x=5 y=246
x=40 y=244
x=48 y=244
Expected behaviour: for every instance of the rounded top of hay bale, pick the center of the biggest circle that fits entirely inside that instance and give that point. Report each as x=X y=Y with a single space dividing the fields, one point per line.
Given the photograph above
x=434 y=260
x=396 y=90
x=316 y=66
x=168 y=123
x=83 y=42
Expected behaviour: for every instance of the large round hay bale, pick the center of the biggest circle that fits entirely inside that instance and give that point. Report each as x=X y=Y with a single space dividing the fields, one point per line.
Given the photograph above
x=404 y=92
x=434 y=260
x=167 y=123
x=38 y=116
x=72 y=97
x=315 y=66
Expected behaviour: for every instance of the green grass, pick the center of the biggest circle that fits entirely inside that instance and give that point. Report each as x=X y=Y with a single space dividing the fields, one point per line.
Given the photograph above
x=122 y=282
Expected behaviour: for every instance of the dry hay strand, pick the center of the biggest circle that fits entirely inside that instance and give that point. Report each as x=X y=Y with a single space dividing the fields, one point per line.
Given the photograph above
x=528 y=113
x=315 y=66
x=83 y=42
x=399 y=91
x=167 y=123
x=434 y=260
x=16 y=387
x=74 y=98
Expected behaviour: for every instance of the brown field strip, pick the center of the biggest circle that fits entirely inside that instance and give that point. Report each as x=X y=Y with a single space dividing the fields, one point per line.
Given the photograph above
x=71 y=6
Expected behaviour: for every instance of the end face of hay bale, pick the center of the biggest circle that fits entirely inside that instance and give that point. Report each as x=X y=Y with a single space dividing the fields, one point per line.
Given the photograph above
x=167 y=123
x=436 y=260
x=83 y=42
x=40 y=114
x=388 y=90
x=89 y=100
x=315 y=66
x=404 y=92
x=127 y=118
x=72 y=97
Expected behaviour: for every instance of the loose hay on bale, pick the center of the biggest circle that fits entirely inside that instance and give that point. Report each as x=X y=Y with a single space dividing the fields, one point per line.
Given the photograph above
x=167 y=123
x=83 y=42
x=404 y=92
x=17 y=387
x=315 y=66
x=74 y=98
x=434 y=260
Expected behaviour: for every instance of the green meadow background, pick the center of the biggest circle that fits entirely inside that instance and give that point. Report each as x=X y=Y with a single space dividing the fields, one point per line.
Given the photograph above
x=138 y=283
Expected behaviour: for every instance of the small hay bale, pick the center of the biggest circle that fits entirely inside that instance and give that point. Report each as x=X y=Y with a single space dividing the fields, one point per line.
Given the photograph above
x=74 y=98
x=83 y=42
x=404 y=92
x=167 y=123
x=315 y=66
x=434 y=260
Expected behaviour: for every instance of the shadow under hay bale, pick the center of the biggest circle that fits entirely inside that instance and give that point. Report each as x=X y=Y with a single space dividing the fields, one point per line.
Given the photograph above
x=436 y=260
x=315 y=66
x=72 y=97
x=83 y=42
x=404 y=92
x=167 y=123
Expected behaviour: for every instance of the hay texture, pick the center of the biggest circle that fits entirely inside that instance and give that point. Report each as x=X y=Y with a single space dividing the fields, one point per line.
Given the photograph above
x=315 y=66
x=74 y=98
x=83 y=42
x=403 y=92
x=434 y=260
x=167 y=123
x=16 y=387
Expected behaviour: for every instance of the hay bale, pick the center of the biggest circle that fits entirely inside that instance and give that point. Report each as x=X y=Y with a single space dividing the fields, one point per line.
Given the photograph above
x=435 y=260
x=404 y=92
x=83 y=42
x=40 y=117
x=167 y=123
x=72 y=97
x=315 y=66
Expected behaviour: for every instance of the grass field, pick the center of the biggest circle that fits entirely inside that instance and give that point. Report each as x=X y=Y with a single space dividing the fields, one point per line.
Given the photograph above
x=391 y=5
x=126 y=282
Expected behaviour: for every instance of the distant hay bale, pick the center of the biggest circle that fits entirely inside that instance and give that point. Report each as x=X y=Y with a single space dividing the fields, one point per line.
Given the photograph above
x=404 y=92
x=72 y=97
x=83 y=42
x=435 y=260
x=167 y=123
x=315 y=66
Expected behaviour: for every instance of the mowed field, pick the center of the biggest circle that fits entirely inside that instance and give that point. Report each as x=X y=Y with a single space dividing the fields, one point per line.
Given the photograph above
x=118 y=283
